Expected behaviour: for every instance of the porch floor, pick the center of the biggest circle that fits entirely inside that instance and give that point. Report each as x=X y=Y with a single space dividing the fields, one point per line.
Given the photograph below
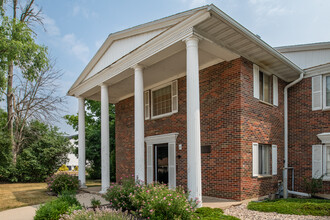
x=208 y=201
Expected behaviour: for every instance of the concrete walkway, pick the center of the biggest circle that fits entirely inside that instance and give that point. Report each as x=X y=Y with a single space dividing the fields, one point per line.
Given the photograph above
x=23 y=213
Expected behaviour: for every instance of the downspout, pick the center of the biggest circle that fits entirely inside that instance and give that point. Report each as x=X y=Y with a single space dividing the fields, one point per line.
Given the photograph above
x=286 y=140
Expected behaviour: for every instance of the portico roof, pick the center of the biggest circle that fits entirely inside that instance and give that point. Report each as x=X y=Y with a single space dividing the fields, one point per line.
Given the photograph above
x=159 y=48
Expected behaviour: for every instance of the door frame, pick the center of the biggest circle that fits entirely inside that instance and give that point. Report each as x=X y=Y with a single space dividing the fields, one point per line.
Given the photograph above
x=170 y=139
x=155 y=158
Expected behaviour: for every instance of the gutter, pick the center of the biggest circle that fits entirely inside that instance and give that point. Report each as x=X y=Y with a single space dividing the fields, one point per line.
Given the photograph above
x=286 y=134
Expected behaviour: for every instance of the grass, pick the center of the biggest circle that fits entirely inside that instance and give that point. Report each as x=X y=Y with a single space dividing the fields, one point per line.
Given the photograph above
x=206 y=213
x=16 y=195
x=316 y=207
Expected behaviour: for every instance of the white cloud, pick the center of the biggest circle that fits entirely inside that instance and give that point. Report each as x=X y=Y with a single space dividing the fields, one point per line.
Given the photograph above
x=269 y=7
x=82 y=11
x=79 y=49
x=50 y=26
x=99 y=43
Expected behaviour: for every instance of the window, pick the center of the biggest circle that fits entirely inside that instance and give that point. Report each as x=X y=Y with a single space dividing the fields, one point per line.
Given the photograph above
x=262 y=156
x=327 y=91
x=321 y=161
x=264 y=159
x=321 y=92
x=164 y=100
x=264 y=87
x=161 y=101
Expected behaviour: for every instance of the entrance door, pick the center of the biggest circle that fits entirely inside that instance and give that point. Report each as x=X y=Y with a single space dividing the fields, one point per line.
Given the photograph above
x=161 y=163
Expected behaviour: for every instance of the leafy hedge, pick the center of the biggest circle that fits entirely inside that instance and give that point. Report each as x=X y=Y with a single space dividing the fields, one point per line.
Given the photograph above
x=62 y=182
x=54 y=209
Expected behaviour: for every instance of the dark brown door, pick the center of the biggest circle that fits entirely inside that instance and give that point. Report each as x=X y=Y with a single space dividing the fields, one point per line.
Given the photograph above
x=161 y=163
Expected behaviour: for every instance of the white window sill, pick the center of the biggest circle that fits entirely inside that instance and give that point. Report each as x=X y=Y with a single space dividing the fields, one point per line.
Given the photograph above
x=162 y=116
x=264 y=176
x=266 y=103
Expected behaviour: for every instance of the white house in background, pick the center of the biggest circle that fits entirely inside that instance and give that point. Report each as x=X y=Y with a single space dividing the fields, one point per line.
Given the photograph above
x=73 y=159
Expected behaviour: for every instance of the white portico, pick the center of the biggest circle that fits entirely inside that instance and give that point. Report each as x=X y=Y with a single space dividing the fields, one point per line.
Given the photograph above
x=142 y=58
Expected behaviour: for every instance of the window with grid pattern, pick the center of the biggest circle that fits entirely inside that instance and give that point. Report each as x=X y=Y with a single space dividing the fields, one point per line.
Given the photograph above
x=162 y=101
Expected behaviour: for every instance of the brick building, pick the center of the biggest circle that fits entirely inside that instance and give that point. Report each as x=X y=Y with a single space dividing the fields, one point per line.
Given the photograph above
x=201 y=102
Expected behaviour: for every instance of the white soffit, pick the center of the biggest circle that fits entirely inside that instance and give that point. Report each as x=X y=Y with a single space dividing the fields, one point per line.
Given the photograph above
x=120 y=48
x=324 y=137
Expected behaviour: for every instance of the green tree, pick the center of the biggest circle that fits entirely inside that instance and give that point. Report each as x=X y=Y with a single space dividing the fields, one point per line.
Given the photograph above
x=5 y=148
x=19 y=51
x=93 y=137
x=44 y=152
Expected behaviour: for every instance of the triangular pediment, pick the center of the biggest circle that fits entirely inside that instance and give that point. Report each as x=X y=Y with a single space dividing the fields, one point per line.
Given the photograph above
x=121 y=47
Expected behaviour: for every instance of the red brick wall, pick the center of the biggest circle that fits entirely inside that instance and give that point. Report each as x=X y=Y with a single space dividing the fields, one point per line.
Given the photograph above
x=231 y=119
x=260 y=123
x=304 y=125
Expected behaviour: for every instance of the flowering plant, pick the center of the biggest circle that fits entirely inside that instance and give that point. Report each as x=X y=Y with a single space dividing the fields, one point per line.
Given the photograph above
x=62 y=182
x=157 y=201
x=118 y=194
x=98 y=214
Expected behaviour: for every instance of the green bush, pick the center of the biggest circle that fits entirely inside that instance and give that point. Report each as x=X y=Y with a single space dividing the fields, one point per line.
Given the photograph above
x=54 y=209
x=119 y=194
x=207 y=213
x=154 y=201
x=96 y=203
x=316 y=207
x=62 y=182
x=157 y=201
x=98 y=214
x=313 y=185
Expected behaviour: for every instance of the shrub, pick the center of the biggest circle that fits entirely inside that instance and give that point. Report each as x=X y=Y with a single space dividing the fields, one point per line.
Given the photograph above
x=63 y=168
x=314 y=185
x=53 y=209
x=96 y=203
x=157 y=201
x=119 y=194
x=62 y=182
x=207 y=213
x=98 y=214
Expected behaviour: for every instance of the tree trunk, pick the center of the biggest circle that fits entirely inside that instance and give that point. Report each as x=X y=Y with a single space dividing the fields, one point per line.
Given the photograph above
x=10 y=116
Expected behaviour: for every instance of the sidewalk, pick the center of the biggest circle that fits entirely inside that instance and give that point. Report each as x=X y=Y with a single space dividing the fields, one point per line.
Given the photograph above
x=23 y=213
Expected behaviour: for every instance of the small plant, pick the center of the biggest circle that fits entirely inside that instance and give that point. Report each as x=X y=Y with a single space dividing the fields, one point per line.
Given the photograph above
x=62 y=182
x=63 y=168
x=53 y=209
x=157 y=201
x=313 y=185
x=98 y=214
x=75 y=168
x=119 y=193
x=96 y=203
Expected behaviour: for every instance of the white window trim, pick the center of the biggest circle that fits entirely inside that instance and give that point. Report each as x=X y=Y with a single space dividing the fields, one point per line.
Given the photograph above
x=324 y=162
x=255 y=161
x=152 y=105
x=324 y=92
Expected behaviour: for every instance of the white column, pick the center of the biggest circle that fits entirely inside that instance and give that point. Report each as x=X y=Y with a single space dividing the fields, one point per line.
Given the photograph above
x=105 y=157
x=193 y=120
x=81 y=142
x=139 y=123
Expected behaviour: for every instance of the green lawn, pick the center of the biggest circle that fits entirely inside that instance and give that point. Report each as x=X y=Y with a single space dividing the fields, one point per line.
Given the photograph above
x=316 y=207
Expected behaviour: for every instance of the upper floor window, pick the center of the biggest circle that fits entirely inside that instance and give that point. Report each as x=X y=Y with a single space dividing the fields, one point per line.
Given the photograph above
x=265 y=86
x=327 y=90
x=163 y=100
x=321 y=92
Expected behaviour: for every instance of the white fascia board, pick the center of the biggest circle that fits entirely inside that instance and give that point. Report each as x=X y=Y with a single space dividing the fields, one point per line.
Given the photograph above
x=238 y=27
x=174 y=34
x=304 y=47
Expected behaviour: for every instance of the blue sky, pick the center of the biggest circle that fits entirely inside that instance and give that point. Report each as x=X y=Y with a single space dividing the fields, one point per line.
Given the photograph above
x=76 y=29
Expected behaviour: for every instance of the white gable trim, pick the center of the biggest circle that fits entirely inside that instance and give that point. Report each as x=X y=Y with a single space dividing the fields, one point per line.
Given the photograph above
x=159 y=43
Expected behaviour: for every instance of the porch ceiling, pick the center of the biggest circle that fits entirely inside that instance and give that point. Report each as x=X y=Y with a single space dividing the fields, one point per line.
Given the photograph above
x=162 y=67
